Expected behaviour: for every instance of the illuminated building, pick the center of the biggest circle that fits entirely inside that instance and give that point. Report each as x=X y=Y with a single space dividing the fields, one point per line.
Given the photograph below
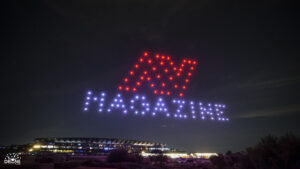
x=92 y=145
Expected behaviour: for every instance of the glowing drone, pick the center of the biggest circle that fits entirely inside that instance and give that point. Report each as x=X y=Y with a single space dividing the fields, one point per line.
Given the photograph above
x=165 y=79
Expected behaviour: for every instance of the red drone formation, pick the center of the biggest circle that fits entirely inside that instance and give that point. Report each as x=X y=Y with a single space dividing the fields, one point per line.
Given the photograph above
x=160 y=74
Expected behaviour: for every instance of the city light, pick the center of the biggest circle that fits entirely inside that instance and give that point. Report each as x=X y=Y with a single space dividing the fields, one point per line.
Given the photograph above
x=204 y=155
x=36 y=146
x=170 y=155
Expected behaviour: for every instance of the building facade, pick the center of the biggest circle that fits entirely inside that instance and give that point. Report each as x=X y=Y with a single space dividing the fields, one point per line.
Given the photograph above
x=92 y=146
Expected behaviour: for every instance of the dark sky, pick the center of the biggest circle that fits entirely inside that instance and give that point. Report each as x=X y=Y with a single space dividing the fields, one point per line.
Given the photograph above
x=54 y=51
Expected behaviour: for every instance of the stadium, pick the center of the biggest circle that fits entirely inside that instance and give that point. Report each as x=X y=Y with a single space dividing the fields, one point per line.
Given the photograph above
x=92 y=146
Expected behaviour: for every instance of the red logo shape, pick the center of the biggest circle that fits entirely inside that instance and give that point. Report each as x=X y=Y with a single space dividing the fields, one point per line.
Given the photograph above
x=160 y=73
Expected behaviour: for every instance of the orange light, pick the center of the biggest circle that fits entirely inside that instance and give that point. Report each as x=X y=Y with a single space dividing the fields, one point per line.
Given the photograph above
x=131 y=73
x=174 y=68
x=168 y=58
x=152 y=85
x=157 y=56
x=166 y=70
x=192 y=68
x=120 y=87
x=163 y=84
x=148 y=78
x=168 y=93
x=189 y=61
x=158 y=76
x=170 y=78
x=142 y=77
x=163 y=57
x=125 y=80
x=154 y=68
x=186 y=80
x=149 y=61
x=155 y=91
x=145 y=72
x=127 y=88
x=136 y=66
x=189 y=74
x=145 y=54
x=184 y=60
x=183 y=87
x=171 y=63
x=141 y=60
x=178 y=74
x=162 y=92
x=138 y=83
x=182 y=65
x=161 y=63
x=194 y=62
x=180 y=94
x=134 y=89
x=180 y=69
x=175 y=86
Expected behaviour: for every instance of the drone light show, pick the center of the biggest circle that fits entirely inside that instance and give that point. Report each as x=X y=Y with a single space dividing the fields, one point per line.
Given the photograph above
x=167 y=81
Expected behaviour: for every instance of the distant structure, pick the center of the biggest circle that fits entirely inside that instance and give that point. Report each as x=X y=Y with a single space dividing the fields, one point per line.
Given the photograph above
x=75 y=148
x=92 y=146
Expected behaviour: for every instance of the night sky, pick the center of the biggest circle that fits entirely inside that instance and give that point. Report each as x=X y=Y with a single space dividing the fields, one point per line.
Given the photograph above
x=53 y=52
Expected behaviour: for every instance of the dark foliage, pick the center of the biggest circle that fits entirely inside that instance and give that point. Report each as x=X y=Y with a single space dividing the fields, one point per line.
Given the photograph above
x=136 y=157
x=27 y=166
x=67 y=165
x=122 y=155
x=159 y=158
x=119 y=155
x=44 y=160
x=218 y=161
x=276 y=153
x=94 y=163
x=270 y=153
x=129 y=165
